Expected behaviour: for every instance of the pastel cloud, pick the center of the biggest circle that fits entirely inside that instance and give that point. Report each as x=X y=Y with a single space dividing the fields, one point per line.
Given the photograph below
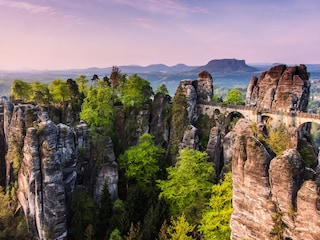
x=162 y=6
x=29 y=7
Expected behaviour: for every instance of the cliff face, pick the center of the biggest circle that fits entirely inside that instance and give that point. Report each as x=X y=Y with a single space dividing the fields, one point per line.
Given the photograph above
x=281 y=88
x=48 y=161
x=272 y=196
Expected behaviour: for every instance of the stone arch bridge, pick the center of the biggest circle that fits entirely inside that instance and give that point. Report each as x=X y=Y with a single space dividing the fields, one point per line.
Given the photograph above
x=290 y=119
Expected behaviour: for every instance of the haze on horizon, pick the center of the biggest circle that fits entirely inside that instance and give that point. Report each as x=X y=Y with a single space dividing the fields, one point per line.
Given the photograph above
x=58 y=34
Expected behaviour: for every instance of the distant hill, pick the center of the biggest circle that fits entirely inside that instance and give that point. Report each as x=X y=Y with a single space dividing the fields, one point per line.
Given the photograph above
x=225 y=72
x=226 y=66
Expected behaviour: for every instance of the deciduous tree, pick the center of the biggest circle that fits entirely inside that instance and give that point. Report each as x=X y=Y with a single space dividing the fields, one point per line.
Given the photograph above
x=215 y=223
x=136 y=92
x=234 y=96
x=141 y=162
x=188 y=186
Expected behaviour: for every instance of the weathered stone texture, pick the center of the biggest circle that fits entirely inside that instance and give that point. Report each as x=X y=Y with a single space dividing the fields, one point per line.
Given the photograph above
x=190 y=138
x=253 y=208
x=107 y=174
x=200 y=90
x=214 y=149
x=264 y=185
x=280 y=88
x=204 y=87
x=160 y=119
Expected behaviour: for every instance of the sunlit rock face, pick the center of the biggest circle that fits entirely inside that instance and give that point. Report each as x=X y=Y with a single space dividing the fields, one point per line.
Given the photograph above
x=253 y=208
x=280 y=88
x=271 y=195
x=49 y=165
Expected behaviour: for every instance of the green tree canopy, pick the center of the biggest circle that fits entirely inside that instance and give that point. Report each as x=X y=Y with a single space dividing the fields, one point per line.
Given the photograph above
x=234 y=96
x=141 y=162
x=39 y=93
x=161 y=89
x=97 y=108
x=59 y=90
x=136 y=92
x=215 y=223
x=180 y=229
x=188 y=186
x=20 y=90
x=84 y=214
x=83 y=85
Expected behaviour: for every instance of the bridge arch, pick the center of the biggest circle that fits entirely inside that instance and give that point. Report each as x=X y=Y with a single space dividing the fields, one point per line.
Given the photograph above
x=309 y=142
x=232 y=118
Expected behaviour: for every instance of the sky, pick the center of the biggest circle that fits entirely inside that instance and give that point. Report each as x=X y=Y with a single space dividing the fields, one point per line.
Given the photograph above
x=61 y=34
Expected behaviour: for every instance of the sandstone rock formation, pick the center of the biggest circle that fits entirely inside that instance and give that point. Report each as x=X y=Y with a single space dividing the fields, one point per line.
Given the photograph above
x=48 y=161
x=214 y=149
x=280 y=88
x=160 y=119
x=272 y=196
x=190 y=138
x=200 y=90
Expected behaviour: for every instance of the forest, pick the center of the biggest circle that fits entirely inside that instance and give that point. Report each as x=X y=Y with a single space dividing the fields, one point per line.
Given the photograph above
x=165 y=192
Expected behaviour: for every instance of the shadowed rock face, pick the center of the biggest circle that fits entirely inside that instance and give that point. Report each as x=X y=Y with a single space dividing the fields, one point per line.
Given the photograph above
x=53 y=160
x=280 y=88
x=265 y=186
x=200 y=90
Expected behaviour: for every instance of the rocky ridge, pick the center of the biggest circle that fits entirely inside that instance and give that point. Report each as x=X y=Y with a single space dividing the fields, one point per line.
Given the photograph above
x=281 y=88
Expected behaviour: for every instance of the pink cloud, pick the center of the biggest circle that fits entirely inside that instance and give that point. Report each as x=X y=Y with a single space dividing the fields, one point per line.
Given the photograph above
x=163 y=6
x=29 y=7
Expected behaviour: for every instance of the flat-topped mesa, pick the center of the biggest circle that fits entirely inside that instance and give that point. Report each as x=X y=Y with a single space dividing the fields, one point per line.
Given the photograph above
x=280 y=88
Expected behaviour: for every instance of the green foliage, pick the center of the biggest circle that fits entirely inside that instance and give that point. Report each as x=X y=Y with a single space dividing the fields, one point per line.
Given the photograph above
x=162 y=89
x=11 y=226
x=215 y=223
x=180 y=229
x=136 y=92
x=117 y=78
x=204 y=125
x=59 y=91
x=234 y=96
x=279 y=226
x=307 y=156
x=14 y=155
x=84 y=214
x=30 y=92
x=20 y=90
x=105 y=212
x=179 y=115
x=97 y=108
x=277 y=139
x=39 y=93
x=141 y=162
x=115 y=235
x=216 y=99
x=188 y=186
x=83 y=85
x=119 y=219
